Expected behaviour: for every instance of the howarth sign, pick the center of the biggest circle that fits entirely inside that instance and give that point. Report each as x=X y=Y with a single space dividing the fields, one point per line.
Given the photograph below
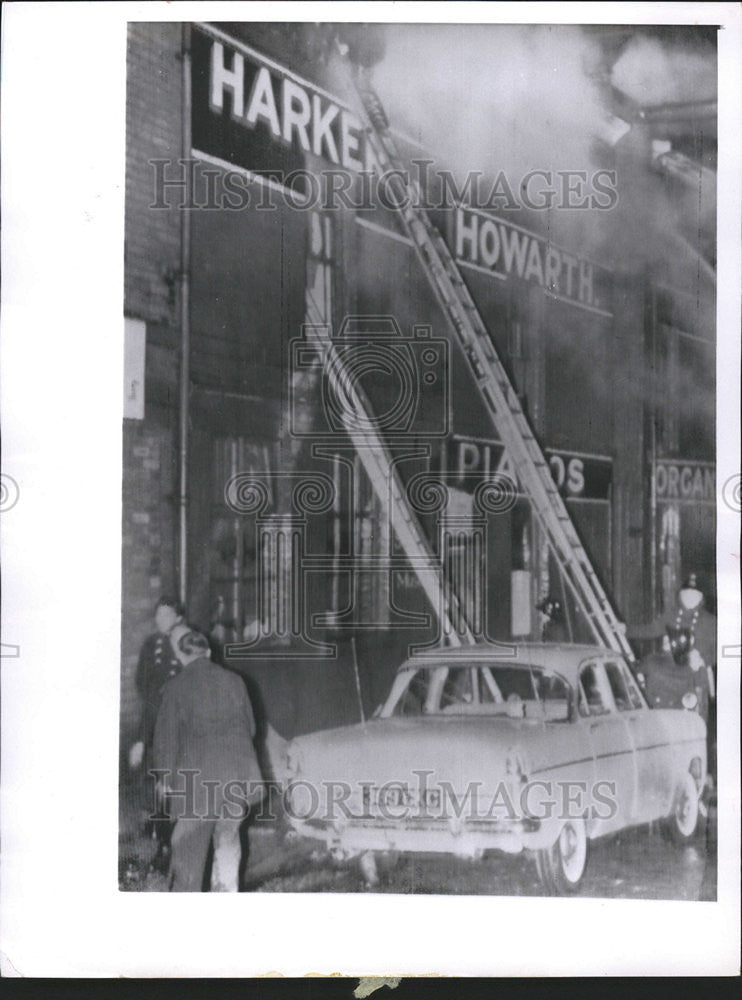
x=578 y=476
x=504 y=249
x=685 y=482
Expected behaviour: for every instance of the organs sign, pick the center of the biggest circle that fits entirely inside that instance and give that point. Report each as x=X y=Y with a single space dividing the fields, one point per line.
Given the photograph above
x=679 y=481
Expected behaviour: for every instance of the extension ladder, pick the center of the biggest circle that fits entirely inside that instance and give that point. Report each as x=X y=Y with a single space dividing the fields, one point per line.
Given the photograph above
x=491 y=379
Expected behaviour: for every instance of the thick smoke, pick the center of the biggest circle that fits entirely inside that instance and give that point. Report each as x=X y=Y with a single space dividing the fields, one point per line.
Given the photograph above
x=515 y=98
x=494 y=97
x=650 y=72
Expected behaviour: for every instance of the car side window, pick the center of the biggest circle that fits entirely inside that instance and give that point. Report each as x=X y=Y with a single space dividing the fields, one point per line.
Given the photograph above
x=457 y=689
x=619 y=690
x=554 y=697
x=593 y=696
x=413 y=699
x=489 y=692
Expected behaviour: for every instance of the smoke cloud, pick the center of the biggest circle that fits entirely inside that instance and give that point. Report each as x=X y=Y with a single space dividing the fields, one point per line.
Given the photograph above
x=515 y=98
x=494 y=97
x=650 y=72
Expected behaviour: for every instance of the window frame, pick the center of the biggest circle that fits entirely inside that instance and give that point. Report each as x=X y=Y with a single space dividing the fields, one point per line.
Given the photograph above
x=605 y=685
x=617 y=664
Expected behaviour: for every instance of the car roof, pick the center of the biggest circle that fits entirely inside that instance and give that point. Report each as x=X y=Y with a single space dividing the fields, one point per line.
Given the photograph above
x=562 y=658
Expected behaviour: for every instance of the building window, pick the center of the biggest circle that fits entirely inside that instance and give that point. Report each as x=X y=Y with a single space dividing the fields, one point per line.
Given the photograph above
x=234 y=598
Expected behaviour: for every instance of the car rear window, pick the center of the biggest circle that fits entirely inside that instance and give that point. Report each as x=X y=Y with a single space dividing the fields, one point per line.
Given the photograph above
x=485 y=689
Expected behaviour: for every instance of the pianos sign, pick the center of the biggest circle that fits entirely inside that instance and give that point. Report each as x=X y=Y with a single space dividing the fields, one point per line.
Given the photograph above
x=578 y=476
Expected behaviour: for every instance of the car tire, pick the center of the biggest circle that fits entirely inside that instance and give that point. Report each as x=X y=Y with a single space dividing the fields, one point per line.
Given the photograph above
x=561 y=867
x=683 y=823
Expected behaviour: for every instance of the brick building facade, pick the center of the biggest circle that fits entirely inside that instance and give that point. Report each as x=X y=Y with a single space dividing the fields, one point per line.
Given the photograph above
x=584 y=361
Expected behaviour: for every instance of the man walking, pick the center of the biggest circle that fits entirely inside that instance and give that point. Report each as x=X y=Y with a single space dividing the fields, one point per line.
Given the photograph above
x=204 y=753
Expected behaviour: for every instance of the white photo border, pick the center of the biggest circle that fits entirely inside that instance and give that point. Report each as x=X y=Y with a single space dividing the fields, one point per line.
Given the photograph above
x=63 y=156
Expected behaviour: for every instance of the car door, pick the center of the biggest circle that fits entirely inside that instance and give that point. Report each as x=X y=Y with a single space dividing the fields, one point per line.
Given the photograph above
x=612 y=746
x=652 y=750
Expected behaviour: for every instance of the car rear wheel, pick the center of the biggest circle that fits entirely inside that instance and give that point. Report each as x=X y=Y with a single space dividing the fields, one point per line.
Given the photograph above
x=682 y=824
x=561 y=867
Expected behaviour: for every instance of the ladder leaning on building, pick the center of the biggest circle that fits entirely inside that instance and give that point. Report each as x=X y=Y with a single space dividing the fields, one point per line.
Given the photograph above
x=493 y=384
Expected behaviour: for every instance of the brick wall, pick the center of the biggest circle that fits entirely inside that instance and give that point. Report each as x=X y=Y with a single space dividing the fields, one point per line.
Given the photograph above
x=152 y=257
x=147 y=544
x=153 y=130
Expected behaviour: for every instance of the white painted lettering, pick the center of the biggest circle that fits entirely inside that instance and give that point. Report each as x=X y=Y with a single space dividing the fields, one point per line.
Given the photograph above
x=556 y=464
x=660 y=480
x=466 y=233
x=262 y=103
x=515 y=245
x=349 y=140
x=534 y=267
x=297 y=112
x=321 y=132
x=576 y=476
x=698 y=485
x=672 y=481
x=468 y=457
x=570 y=263
x=585 y=293
x=489 y=243
x=553 y=269
x=686 y=482
x=223 y=79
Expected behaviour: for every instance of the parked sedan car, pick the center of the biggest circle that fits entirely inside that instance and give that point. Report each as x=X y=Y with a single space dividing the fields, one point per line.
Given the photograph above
x=535 y=747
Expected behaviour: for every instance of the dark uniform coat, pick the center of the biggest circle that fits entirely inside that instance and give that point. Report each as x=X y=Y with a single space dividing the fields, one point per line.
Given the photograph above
x=206 y=724
x=667 y=682
x=700 y=623
x=157 y=665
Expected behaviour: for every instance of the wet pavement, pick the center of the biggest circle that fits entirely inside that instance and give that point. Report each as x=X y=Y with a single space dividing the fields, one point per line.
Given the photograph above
x=636 y=864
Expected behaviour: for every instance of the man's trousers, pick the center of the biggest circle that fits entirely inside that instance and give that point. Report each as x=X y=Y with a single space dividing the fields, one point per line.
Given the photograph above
x=190 y=846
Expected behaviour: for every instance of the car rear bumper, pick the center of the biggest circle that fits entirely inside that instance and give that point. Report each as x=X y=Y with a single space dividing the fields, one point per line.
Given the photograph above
x=446 y=837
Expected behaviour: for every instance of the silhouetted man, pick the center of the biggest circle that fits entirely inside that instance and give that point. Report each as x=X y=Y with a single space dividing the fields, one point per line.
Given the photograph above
x=204 y=736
